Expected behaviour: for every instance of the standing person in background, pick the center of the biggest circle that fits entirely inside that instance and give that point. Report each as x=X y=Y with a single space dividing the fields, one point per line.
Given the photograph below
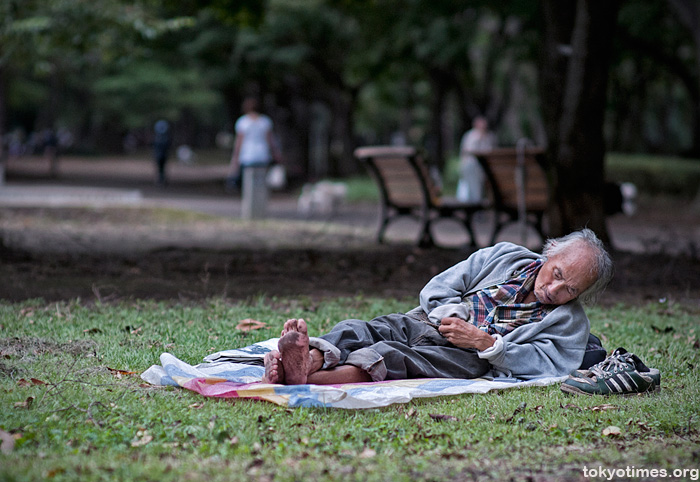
x=50 y=143
x=254 y=146
x=162 y=142
x=470 y=188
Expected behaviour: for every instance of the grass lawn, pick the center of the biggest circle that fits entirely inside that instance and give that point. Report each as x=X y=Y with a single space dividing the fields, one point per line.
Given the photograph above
x=72 y=411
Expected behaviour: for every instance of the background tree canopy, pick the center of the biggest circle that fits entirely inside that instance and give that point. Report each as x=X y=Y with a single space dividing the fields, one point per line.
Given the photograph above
x=334 y=74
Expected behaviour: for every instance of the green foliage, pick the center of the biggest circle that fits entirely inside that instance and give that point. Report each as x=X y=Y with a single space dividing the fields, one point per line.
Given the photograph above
x=73 y=416
x=145 y=91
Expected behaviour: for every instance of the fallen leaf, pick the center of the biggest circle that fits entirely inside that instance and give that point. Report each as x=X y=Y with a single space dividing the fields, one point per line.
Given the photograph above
x=121 y=372
x=570 y=405
x=442 y=418
x=611 y=431
x=249 y=324
x=91 y=331
x=25 y=404
x=606 y=406
x=642 y=426
x=138 y=442
x=8 y=442
x=520 y=408
x=32 y=381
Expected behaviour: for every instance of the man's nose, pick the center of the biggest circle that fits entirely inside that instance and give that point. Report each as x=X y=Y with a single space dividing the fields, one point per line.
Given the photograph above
x=557 y=287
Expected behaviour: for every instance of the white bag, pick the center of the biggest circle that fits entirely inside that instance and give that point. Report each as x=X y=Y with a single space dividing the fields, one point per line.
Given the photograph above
x=276 y=177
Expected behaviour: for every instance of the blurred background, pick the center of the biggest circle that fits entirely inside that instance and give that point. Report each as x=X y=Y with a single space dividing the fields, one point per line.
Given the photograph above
x=90 y=78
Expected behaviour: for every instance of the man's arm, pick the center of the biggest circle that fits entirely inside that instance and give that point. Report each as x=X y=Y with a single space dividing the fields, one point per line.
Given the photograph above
x=551 y=347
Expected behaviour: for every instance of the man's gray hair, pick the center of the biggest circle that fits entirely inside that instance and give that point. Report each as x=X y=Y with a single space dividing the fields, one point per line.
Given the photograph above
x=602 y=265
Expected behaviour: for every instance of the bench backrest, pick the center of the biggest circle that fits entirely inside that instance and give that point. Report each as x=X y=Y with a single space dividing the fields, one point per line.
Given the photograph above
x=503 y=168
x=402 y=175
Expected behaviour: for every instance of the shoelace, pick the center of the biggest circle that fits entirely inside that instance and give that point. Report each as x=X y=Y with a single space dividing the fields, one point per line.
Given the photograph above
x=612 y=363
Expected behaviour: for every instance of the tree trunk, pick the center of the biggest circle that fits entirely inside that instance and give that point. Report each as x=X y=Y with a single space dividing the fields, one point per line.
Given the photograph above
x=689 y=14
x=342 y=160
x=578 y=42
x=3 y=150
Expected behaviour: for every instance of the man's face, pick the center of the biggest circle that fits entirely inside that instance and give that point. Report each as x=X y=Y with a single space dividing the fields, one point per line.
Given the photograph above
x=565 y=275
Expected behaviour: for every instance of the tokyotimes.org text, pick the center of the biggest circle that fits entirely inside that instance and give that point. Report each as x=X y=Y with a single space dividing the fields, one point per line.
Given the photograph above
x=632 y=472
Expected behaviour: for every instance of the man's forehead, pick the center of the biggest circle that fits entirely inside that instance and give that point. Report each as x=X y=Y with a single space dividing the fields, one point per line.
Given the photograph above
x=574 y=255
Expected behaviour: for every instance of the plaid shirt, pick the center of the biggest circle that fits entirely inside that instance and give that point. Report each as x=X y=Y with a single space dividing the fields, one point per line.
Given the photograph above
x=499 y=309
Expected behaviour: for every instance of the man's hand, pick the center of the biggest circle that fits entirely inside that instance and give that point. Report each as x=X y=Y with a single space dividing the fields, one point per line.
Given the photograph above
x=464 y=335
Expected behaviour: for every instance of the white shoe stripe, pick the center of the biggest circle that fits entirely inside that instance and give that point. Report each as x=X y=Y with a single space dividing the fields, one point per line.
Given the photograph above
x=613 y=386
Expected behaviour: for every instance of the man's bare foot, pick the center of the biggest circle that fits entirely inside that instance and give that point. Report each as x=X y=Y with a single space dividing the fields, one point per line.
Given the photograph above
x=274 y=371
x=294 y=351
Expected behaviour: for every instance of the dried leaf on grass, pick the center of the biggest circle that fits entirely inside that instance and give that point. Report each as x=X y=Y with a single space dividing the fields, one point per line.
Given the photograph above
x=570 y=406
x=142 y=438
x=32 y=381
x=604 y=407
x=520 y=408
x=25 y=404
x=596 y=408
x=612 y=431
x=116 y=371
x=442 y=418
x=249 y=324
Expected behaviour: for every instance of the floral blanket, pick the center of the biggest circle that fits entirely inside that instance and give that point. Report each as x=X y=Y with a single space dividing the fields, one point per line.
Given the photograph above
x=237 y=374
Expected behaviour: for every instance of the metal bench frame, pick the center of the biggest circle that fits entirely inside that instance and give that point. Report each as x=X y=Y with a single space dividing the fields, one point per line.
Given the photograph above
x=519 y=189
x=407 y=189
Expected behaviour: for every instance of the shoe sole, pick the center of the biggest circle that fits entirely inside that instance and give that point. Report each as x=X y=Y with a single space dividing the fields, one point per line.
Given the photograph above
x=577 y=391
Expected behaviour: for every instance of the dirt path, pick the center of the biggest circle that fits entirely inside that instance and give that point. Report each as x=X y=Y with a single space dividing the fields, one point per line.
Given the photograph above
x=112 y=254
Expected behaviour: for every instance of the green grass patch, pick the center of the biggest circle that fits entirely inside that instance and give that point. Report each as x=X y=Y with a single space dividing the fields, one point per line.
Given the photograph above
x=656 y=175
x=72 y=416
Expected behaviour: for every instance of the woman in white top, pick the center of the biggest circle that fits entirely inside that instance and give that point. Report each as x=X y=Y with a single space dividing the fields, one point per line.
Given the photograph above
x=255 y=145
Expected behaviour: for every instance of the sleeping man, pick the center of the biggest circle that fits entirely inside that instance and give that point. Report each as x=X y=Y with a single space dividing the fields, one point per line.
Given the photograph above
x=504 y=311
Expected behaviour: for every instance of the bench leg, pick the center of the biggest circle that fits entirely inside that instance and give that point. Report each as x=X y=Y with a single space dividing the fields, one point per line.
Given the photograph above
x=426 y=238
x=470 y=230
x=498 y=225
x=382 y=230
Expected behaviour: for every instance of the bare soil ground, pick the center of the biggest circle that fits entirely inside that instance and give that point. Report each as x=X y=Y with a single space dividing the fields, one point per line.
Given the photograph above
x=122 y=253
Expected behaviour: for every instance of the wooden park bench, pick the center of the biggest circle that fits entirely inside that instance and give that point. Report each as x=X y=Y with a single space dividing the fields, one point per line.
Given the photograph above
x=518 y=187
x=407 y=189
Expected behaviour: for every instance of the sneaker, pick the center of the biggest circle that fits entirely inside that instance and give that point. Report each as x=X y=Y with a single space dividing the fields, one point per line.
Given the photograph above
x=621 y=373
